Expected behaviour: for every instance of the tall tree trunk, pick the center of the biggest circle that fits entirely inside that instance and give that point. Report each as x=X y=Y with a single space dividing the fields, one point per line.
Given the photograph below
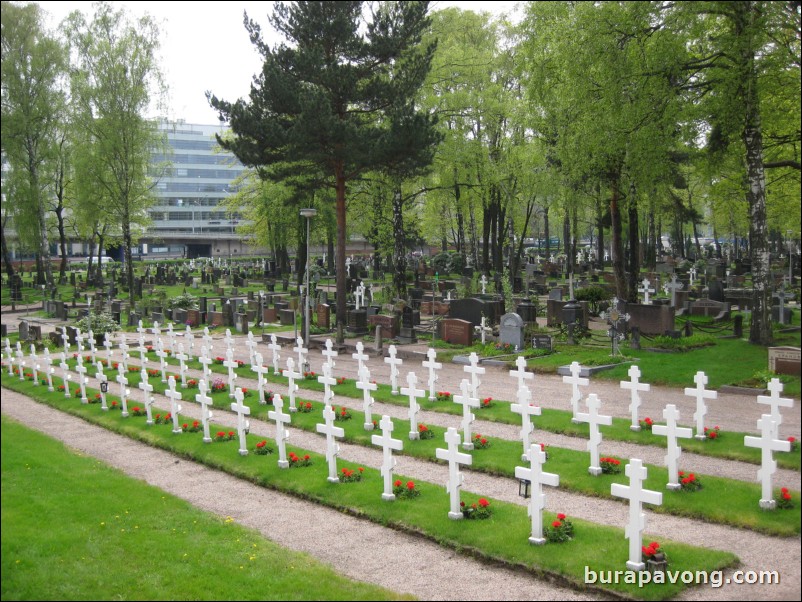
x=651 y=238
x=634 y=245
x=6 y=255
x=399 y=249
x=339 y=178
x=546 y=232
x=617 y=250
x=599 y=233
x=569 y=263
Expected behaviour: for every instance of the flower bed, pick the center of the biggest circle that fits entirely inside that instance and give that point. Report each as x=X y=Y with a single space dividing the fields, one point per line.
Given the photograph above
x=560 y=530
x=479 y=510
x=610 y=465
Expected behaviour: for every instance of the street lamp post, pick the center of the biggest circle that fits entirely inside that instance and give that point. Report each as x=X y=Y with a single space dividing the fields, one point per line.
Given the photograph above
x=308 y=213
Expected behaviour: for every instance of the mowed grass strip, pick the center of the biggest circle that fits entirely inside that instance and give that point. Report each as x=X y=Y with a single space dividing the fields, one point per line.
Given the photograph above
x=502 y=538
x=76 y=529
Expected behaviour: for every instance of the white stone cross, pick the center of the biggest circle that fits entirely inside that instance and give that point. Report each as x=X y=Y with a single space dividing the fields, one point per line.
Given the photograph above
x=260 y=370
x=275 y=348
x=107 y=343
x=242 y=423
x=251 y=344
x=162 y=354
x=171 y=336
x=692 y=272
x=634 y=387
x=526 y=409
x=82 y=380
x=34 y=365
x=124 y=392
x=467 y=401
x=395 y=363
x=206 y=414
x=90 y=339
x=47 y=368
x=484 y=329
x=79 y=340
x=701 y=408
x=156 y=331
x=388 y=444
x=141 y=330
x=594 y=419
x=768 y=444
x=332 y=449
x=147 y=389
x=10 y=356
x=672 y=288
x=330 y=354
x=208 y=340
x=124 y=355
x=182 y=367
x=175 y=407
x=302 y=353
x=474 y=370
x=413 y=394
x=291 y=375
x=66 y=377
x=328 y=381
x=101 y=377
x=206 y=361
x=229 y=340
x=359 y=356
x=360 y=295
x=433 y=367
x=537 y=478
x=367 y=399
x=776 y=402
x=646 y=290
x=484 y=284
x=455 y=479
x=21 y=361
x=143 y=351
x=231 y=364
x=65 y=338
x=575 y=381
x=282 y=434
x=521 y=373
x=190 y=339
x=671 y=431
x=637 y=496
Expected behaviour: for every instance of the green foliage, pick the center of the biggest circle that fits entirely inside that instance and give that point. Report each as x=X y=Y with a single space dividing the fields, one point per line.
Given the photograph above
x=99 y=323
x=593 y=295
x=684 y=343
x=441 y=263
x=183 y=301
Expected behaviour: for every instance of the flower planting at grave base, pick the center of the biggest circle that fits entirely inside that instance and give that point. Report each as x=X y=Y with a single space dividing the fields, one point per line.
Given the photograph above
x=219 y=360
x=192 y=383
x=653 y=552
x=218 y=386
x=646 y=424
x=560 y=530
x=713 y=434
x=794 y=443
x=194 y=427
x=341 y=380
x=263 y=448
x=784 y=500
x=137 y=411
x=480 y=442
x=95 y=398
x=305 y=408
x=163 y=418
x=348 y=475
x=424 y=432
x=310 y=375
x=247 y=392
x=77 y=393
x=114 y=405
x=487 y=402
x=689 y=481
x=443 y=396
x=152 y=372
x=297 y=461
x=60 y=388
x=343 y=414
x=610 y=465
x=479 y=510
x=28 y=376
x=224 y=436
x=406 y=490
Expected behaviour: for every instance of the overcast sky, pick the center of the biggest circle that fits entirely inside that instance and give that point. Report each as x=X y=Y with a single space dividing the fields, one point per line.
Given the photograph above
x=205 y=47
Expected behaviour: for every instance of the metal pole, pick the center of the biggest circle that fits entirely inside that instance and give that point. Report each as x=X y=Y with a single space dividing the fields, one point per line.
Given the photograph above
x=307 y=310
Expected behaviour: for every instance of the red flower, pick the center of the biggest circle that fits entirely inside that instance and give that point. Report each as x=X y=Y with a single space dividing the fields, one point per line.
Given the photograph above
x=261 y=444
x=791 y=439
x=484 y=441
x=561 y=516
x=713 y=434
x=784 y=489
x=361 y=469
x=411 y=485
x=230 y=433
x=654 y=544
x=306 y=456
x=786 y=496
x=556 y=524
x=483 y=502
x=397 y=483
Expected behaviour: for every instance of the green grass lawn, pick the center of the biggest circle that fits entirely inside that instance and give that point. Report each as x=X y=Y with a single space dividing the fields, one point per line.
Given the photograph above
x=502 y=538
x=76 y=529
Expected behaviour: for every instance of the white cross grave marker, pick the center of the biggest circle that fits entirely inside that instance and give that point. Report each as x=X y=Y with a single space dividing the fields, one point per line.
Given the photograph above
x=671 y=431
x=206 y=361
x=637 y=496
x=65 y=338
x=47 y=368
x=190 y=342
x=768 y=466
x=692 y=272
x=467 y=402
x=34 y=365
x=143 y=351
x=635 y=387
x=474 y=370
x=260 y=370
x=646 y=290
x=147 y=389
x=672 y=288
x=65 y=374
x=526 y=409
x=175 y=407
x=101 y=377
x=332 y=449
x=162 y=354
x=575 y=381
x=90 y=339
x=182 y=367
x=433 y=366
x=251 y=344
x=484 y=284
x=124 y=355
x=82 y=380
x=124 y=392
x=274 y=349
x=330 y=354
x=242 y=423
x=521 y=374
x=484 y=329
x=455 y=479
x=388 y=444
x=775 y=402
x=156 y=331
x=367 y=399
x=79 y=341
x=395 y=363
x=171 y=336
x=537 y=478
x=701 y=408
x=206 y=414
x=282 y=434
x=208 y=340
x=413 y=394
x=302 y=353
x=594 y=419
x=229 y=341
x=107 y=343
x=10 y=356
x=328 y=381
x=291 y=375
x=359 y=356
x=231 y=364
x=21 y=361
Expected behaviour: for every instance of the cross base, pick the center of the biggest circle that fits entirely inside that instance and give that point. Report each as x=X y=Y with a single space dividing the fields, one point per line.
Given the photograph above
x=388 y=497
x=67 y=393
x=455 y=515
x=150 y=423
x=243 y=452
x=293 y=410
x=84 y=400
x=368 y=426
x=51 y=389
x=434 y=398
x=636 y=566
x=468 y=446
x=673 y=486
x=413 y=436
x=283 y=464
x=207 y=439
x=768 y=504
x=177 y=431
x=105 y=409
x=634 y=427
x=537 y=541
x=394 y=392
x=595 y=470
x=700 y=437
x=524 y=458
x=575 y=421
x=333 y=479
x=126 y=414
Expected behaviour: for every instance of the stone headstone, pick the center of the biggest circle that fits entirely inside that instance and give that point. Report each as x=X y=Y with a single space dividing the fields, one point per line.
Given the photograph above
x=542 y=341
x=715 y=290
x=456 y=331
x=650 y=319
x=511 y=331
x=784 y=360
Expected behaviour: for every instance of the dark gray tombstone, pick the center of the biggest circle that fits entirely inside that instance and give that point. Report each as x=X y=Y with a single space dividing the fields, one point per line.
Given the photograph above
x=511 y=331
x=24 y=330
x=715 y=290
x=650 y=319
x=134 y=318
x=556 y=294
x=287 y=317
x=157 y=317
x=323 y=315
x=357 y=322
x=542 y=341
x=180 y=315
x=471 y=310
x=527 y=311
